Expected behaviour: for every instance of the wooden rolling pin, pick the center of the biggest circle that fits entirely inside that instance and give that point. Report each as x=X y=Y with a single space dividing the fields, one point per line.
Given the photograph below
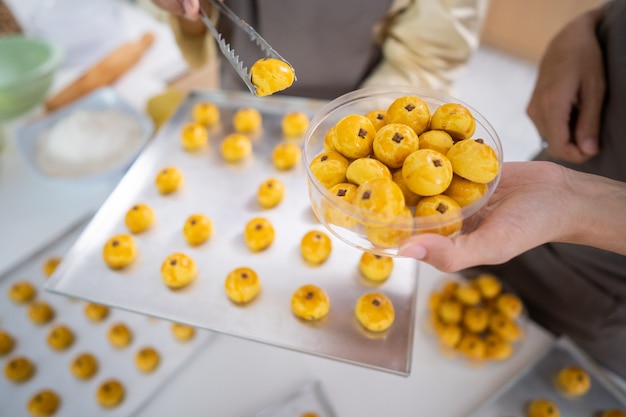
x=104 y=72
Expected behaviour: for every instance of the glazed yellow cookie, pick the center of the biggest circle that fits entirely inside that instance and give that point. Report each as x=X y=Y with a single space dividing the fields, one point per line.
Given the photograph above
x=45 y=402
x=236 y=147
x=437 y=140
x=455 y=119
x=374 y=311
x=198 y=229
x=363 y=169
x=183 y=332
x=242 y=285
x=194 y=136
x=60 y=337
x=119 y=251
x=110 y=393
x=450 y=311
x=393 y=143
x=377 y=117
x=178 y=270
x=504 y=327
x=286 y=155
x=40 y=312
x=488 y=285
x=270 y=75
x=467 y=294
x=375 y=267
x=510 y=305
x=22 y=291
x=340 y=214
x=7 y=343
x=448 y=334
x=410 y=198
x=294 y=124
x=258 y=234
x=329 y=139
x=380 y=198
x=393 y=233
x=411 y=111
x=472 y=346
x=139 y=218
x=474 y=160
x=206 y=113
x=84 y=366
x=168 y=180
x=465 y=192
x=310 y=302
x=315 y=246
x=614 y=412
x=270 y=193
x=19 y=369
x=542 y=407
x=573 y=381
x=147 y=359
x=247 y=120
x=329 y=167
x=427 y=172
x=441 y=209
x=50 y=265
x=496 y=348
x=120 y=335
x=96 y=312
x=354 y=136
x=476 y=319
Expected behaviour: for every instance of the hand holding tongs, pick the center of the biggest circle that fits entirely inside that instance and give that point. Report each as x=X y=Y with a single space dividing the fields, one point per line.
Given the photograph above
x=229 y=53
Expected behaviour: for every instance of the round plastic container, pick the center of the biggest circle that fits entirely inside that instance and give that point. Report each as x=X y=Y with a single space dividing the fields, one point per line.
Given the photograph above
x=375 y=232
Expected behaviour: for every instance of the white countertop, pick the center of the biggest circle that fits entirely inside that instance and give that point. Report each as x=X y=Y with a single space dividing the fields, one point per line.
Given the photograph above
x=237 y=377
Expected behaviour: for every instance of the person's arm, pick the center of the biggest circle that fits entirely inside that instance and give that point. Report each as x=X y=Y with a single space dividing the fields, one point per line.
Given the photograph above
x=535 y=203
x=567 y=100
x=427 y=42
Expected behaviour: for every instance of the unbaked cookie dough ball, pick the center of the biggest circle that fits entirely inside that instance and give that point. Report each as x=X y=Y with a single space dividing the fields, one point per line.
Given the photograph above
x=375 y=311
x=139 y=218
x=119 y=251
x=178 y=270
x=43 y=403
x=242 y=285
x=310 y=302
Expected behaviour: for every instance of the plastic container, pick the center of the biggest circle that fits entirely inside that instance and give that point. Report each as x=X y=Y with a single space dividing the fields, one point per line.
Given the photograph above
x=378 y=233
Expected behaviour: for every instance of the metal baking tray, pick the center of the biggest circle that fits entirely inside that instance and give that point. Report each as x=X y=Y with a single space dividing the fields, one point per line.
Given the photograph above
x=309 y=398
x=52 y=367
x=227 y=194
x=537 y=381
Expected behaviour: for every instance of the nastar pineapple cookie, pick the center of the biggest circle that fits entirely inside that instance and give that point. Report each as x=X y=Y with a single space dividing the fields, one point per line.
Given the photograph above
x=19 y=369
x=363 y=169
x=50 y=265
x=110 y=393
x=178 y=270
x=375 y=267
x=286 y=155
x=410 y=198
x=168 y=180
x=119 y=251
x=139 y=218
x=60 y=337
x=84 y=366
x=242 y=285
x=340 y=216
x=573 y=381
x=542 y=407
x=310 y=302
x=442 y=209
x=247 y=120
x=437 y=140
x=22 y=291
x=294 y=124
x=259 y=234
x=7 y=342
x=381 y=199
x=455 y=119
x=236 y=147
x=465 y=192
x=271 y=75
x=120 y=335
x=392 y=233
x=315 y=247
x=147 y=359
x=377 y=117
x=354 y=136
x=96 y=312
x=40 y=312
x=270 y=193
x=206 y=113
x=198 y=229
x=43 y=403
x=427 y=172
x=194 y=136
x=329 y=167
x=375 y=311
x=474 y=160
x=183 y=332
x=393 y=143
x=409 y=110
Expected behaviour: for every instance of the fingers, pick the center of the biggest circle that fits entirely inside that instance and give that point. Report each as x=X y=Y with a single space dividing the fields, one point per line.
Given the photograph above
x=586 y=129
x=192 y=9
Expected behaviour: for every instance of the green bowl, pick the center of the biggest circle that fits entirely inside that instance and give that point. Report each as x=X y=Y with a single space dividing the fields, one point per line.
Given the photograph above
x=27 y=68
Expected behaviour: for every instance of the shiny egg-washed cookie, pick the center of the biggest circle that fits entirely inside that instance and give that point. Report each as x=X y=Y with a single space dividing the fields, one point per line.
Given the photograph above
x=573 y=381
x=168 y=180
x=235 y=147
x=377 y=117
x=22 y=291
x=441 y=210
x=286 y=155
x=242 y=284
x=380 y=199
x=455 y=119
x=96 y=312
x=339 y=213
x=270 y=75
x=270 y=193
x=393 y=143
x=542 y=407
x=354 y=136
x=147 y=359
x=427 y=172
x=363 y=169
x=510 y=305
x=119 y=251
x=410 y=198
x=206 y=113
x=178 y=270
x=19 y=369
x=375 y=267
x=329 y=168
x=315 y=247
x=43 y=403
x=194 y=136
x=60 y=337
x=474 y=160
x=294 y=124
x=472 y=346
x=247 y=120
x=50 y=265
x=259 y=234
x=409 y=110
x=7 y=343
x=40 y=312
x=110 y=393
x=310 y=302
x=465 y=192
x=496 y=348
x=437 y=140
x=476 y=319
x=183 y=332
x=120 y=335
x=375 y=311
x=84 y=366
x=198 y=229
x=139 y=218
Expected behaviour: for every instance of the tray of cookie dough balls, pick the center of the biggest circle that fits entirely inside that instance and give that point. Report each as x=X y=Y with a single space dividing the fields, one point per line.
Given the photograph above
x=62 y=356
x=212 y=226
x=562 y=382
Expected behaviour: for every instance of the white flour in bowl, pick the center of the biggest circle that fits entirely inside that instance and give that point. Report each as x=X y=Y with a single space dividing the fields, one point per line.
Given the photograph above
x=88 y=142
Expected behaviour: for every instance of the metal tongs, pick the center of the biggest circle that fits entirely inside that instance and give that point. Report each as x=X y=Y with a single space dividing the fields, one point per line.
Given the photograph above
x=229 y=53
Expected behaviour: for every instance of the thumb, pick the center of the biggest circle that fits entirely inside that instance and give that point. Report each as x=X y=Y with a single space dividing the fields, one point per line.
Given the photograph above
x=442 y=252
x=585 y=124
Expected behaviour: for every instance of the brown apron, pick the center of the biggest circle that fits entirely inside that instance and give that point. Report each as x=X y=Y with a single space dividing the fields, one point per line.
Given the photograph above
x=577 y=290
x=329 y=43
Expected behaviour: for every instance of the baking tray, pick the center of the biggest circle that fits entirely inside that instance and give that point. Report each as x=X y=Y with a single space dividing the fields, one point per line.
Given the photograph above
x=52 y=367
x=537 y=381
x=309 y=398
x=227 y=194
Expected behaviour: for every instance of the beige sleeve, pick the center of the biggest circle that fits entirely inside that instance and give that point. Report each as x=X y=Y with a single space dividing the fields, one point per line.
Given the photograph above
x=428 y=43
